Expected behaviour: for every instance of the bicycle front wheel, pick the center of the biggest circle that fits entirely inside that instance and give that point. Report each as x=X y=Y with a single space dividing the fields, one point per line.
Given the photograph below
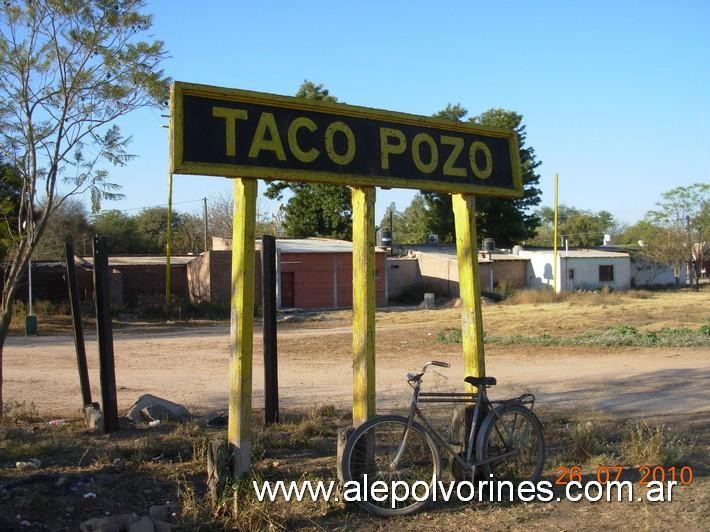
x=378 y=451
x=511 y=445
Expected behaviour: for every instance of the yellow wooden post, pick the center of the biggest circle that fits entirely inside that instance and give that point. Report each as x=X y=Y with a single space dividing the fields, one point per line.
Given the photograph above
x=469 y=286
x=168 y=239
x=242 y=325
x=364 y=303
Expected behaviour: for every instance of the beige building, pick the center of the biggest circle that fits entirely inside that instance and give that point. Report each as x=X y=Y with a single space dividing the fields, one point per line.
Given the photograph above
x=435 y=268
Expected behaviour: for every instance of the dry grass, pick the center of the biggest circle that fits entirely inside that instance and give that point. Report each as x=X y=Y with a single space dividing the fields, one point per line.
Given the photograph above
x=538 y=311
x=644 y=445
x=179 y=476
x=525 y=311
x=595 y=312
x=304 y=444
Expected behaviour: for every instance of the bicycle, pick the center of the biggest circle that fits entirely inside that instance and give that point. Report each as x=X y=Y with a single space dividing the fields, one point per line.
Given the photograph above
x=502 y=439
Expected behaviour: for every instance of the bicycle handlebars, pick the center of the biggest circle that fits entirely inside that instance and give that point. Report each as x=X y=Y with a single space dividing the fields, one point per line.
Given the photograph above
x=416 y=376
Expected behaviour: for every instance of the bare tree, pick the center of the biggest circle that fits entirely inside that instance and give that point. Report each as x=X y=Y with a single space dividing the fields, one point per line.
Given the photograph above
x=220 y=212
x=68 y=70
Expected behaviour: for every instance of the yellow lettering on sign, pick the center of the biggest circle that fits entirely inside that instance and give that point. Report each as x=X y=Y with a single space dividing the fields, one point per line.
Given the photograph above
x=423 y=138
x=267 y=123
x=488 y=169
x=230 y=119
x=449 y=168
x=301 y=122
x=330 y=132
x=387 y=148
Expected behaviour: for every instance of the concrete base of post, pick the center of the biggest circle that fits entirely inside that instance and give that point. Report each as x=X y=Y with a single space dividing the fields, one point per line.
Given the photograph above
x=93 y=417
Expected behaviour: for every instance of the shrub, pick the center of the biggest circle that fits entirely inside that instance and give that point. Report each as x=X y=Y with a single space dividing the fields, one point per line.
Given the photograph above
x=449 y=336
x=587 y=440
x=644 y=445
x=536 y=297
x=626 y=330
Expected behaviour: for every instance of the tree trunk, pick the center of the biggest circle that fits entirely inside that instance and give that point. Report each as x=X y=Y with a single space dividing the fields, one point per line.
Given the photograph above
x=4 y=327
x=9 y=291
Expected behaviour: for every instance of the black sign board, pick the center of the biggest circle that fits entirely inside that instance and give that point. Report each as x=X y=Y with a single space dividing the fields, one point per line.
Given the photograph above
x=237 y=133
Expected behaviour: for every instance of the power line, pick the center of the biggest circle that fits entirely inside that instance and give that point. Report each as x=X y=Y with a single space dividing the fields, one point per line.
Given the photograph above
x=159 y=205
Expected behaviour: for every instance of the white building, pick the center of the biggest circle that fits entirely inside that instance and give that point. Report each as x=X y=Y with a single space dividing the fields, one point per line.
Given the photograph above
x=580 y=269
x=646 y=272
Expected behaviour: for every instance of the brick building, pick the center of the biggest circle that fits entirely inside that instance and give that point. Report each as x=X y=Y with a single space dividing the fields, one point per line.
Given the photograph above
x=311 y=273
x=135 y=280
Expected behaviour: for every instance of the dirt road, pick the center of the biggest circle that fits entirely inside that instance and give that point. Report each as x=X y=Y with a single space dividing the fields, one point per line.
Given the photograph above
x=189 y=365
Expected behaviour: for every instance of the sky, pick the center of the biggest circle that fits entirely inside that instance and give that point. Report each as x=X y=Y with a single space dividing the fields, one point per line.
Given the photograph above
x=615 y=96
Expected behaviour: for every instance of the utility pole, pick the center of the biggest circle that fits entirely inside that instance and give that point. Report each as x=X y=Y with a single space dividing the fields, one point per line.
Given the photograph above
x=692 y=263
x=204 y=202
x=30 y=319
x=554 y=245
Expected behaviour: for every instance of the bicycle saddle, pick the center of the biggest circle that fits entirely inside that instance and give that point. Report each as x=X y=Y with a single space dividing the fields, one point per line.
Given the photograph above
x=480 y=381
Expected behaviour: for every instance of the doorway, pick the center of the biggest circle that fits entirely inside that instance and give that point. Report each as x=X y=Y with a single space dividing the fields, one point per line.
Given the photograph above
x=287 y=290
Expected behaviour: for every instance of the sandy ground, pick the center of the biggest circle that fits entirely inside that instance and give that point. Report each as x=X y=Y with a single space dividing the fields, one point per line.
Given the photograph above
x=189 y=365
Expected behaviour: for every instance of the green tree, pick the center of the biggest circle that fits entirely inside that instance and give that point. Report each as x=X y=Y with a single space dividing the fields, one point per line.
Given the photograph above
x=152 y=226
x=416 y=221
x=68 y=70
x=318 y=210
x=413 y=225
x=507 y=221
x=188 y=236
x=120 y=231
x=70 y=223
x=648 y=241
x=683 y=221
x=314 y=209
x=577 y=227
x=187 y=231
x=10 y=193
x=510 y=221
x=392 y=220
x=588 y=230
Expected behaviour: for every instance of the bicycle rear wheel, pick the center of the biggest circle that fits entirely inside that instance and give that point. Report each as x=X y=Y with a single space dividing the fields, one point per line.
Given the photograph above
x=511 y=445
x=370 y=454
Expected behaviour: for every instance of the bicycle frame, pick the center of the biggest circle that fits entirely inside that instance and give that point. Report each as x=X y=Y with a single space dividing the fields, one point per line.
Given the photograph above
x=479 y=399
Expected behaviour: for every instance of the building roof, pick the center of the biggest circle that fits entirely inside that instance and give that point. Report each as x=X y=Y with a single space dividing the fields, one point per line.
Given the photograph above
x=312 y=245
x=592 y=254
x=115 y=261
x=577 y=253
x=449 y=251
x=140 y=260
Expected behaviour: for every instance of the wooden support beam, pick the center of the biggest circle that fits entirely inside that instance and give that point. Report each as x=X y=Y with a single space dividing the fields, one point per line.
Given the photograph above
x=364 y=302
x=78 y=328
x=104 y=334
x=268 y=306
x=469 y=286
x=168 y=241
x=242 y=325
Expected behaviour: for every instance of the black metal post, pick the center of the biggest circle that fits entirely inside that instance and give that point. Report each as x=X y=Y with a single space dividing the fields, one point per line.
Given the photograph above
x=271 y=373
x=107 y=369
x=78 y=329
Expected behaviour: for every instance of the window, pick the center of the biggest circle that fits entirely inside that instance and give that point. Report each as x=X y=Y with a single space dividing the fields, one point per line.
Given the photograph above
x=570 y=274
x=606 y=273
